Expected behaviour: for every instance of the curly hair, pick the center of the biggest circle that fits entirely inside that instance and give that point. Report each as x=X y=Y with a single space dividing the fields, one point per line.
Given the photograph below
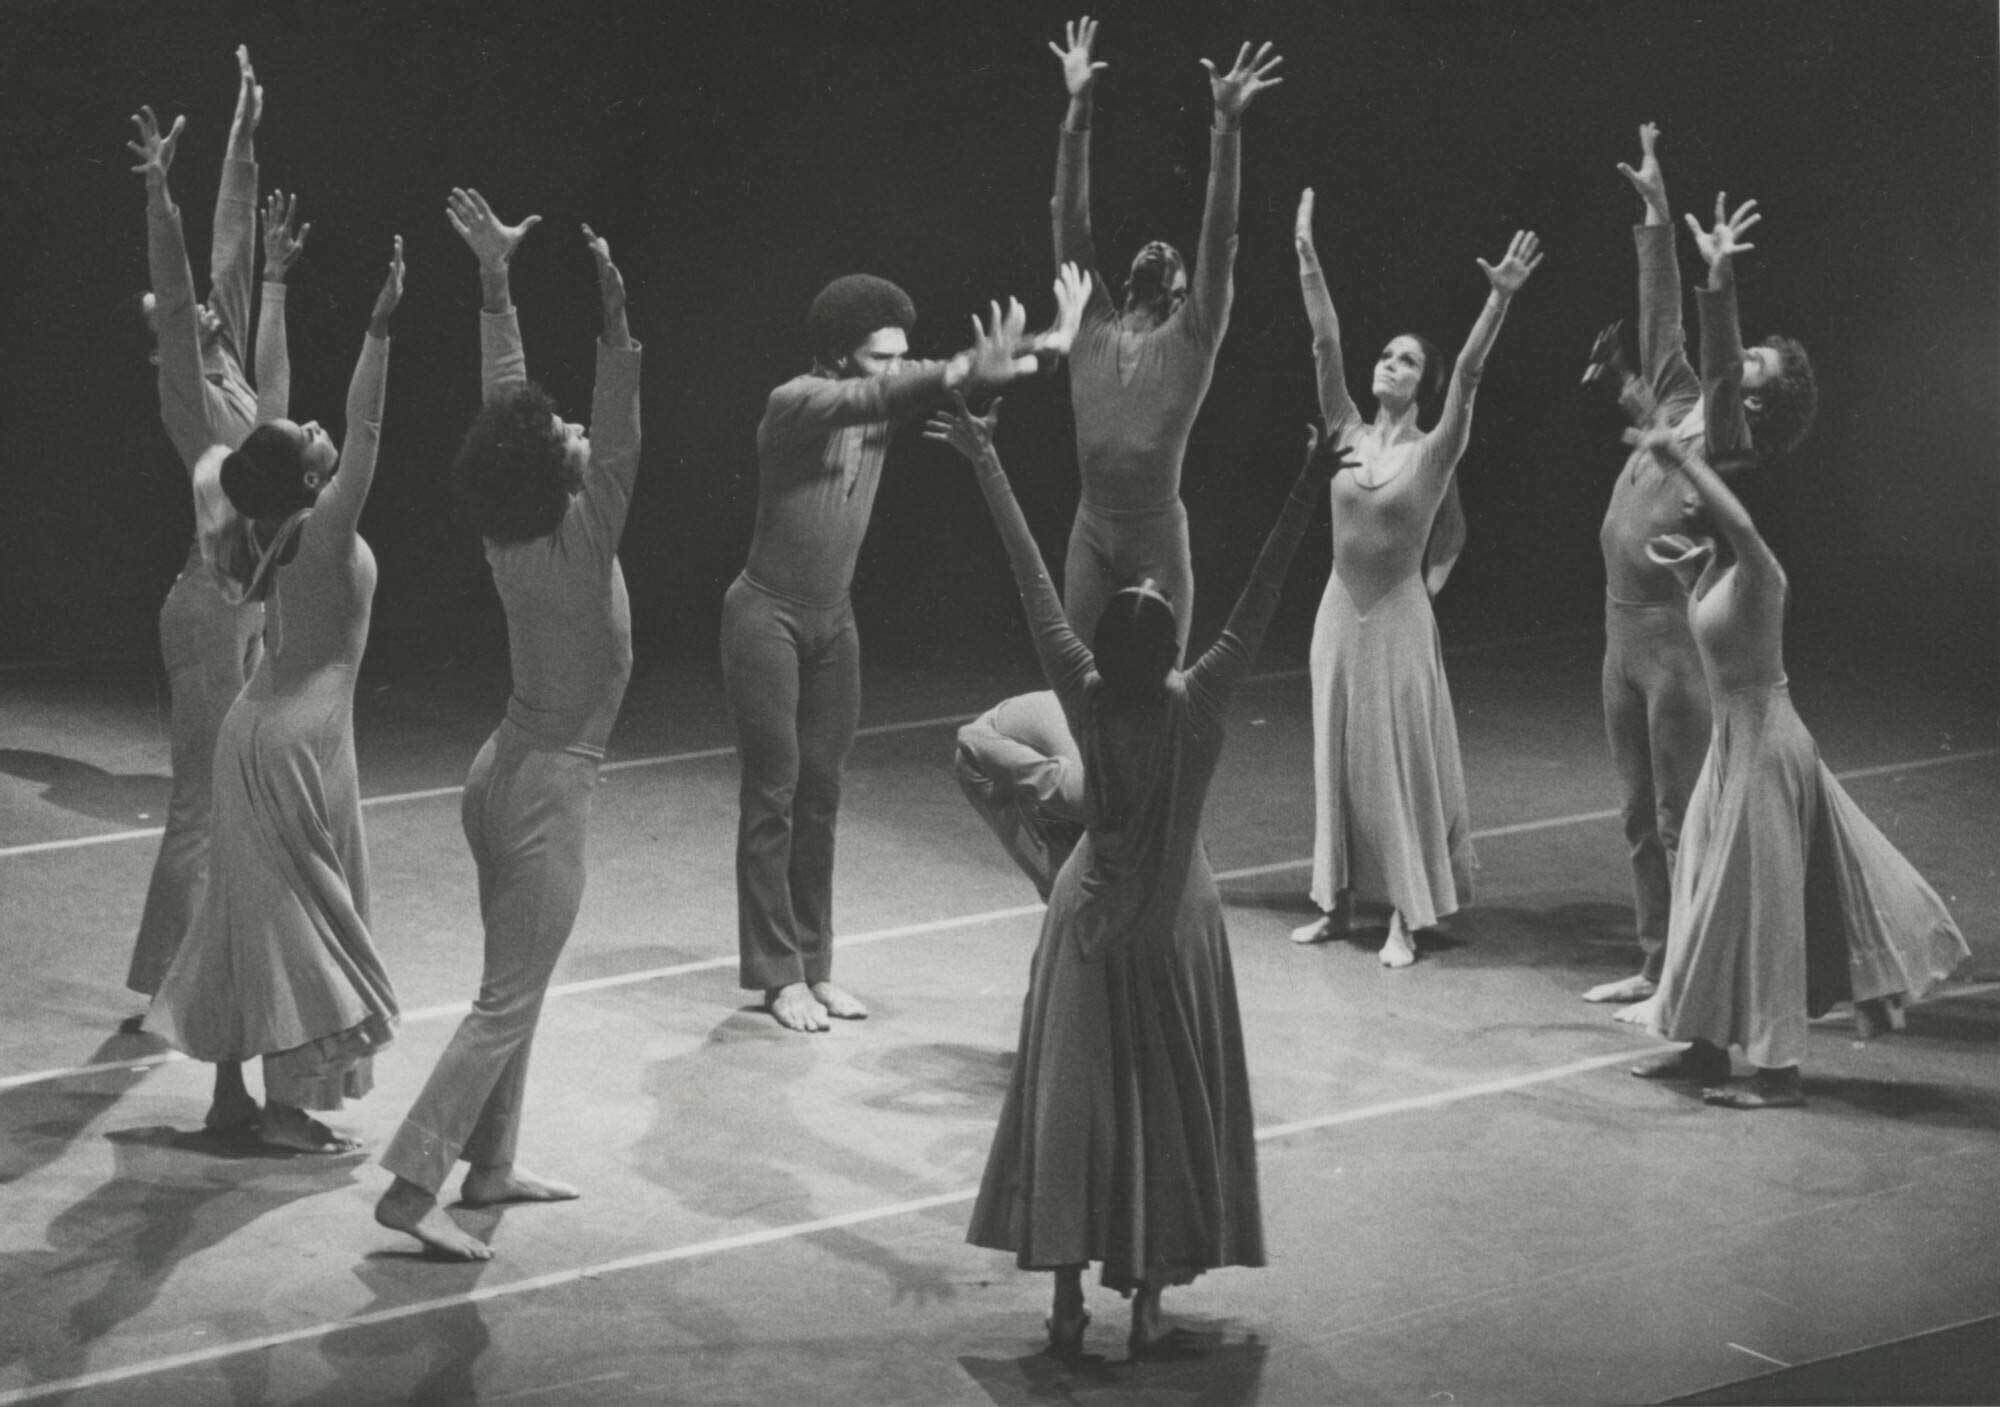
x=1789 y=400
x=847 y=311
x=511 y=476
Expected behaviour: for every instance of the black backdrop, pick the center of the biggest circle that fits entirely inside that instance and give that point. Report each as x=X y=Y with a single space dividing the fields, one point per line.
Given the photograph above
x=739 y=155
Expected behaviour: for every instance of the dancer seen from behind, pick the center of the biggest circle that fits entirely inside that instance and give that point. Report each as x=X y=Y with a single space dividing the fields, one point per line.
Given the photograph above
x=1138 y=373
x=1655 y=704
x=1019 y=767
x=549 y=502
x=209 y=639
x=791 y=658
x=1390 y=821
x=280 y=962
x=1127 y=1136
x=1786 y=898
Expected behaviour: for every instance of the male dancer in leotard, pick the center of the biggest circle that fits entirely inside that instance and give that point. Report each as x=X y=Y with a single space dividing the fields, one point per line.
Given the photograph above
x=1138 y=374
x=791 y=658
x=1655 y=704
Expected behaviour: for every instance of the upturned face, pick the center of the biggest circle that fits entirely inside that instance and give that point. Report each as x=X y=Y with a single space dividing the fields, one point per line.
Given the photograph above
x=1761 y=367
x=1399 y=371
x=576 y=452
x=319 y=456
x=1158 y=277
x=880 y=355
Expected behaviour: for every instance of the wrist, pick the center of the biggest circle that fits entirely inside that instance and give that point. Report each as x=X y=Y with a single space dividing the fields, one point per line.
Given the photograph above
x=957 y=371
x=1226 y=121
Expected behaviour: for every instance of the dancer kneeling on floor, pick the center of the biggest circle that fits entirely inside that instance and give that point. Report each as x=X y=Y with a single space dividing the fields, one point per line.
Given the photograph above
x=1127 y=1136
x=549 y=502
x=1786 y=897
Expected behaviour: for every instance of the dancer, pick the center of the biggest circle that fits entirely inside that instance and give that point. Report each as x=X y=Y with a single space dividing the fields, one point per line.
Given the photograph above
x=549 y=504
x=791 y=659
x=1019 y=767
x=208 y=642
x=1138 y=373
x=1390 y=823
x=279 y=962
x=1655 y=704
x=1127 y=1136
x=1786 y=898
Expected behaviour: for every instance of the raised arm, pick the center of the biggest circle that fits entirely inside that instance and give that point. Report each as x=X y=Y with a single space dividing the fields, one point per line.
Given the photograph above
x=1336 y=407
x=1066 y=661
x=503 y=364
x=1726 y=429
x=1446 y=441
x=232 y=258
x=1214 y=677
x=1724 y=510
x=282 y=244
x=1662 y=339
x=176 y=325
x=338 y=512
x=614 y=409
x=1069 y=210
x=1213 y=282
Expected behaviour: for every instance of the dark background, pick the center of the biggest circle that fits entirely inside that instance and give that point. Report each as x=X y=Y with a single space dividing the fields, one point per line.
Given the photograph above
x=737 y=156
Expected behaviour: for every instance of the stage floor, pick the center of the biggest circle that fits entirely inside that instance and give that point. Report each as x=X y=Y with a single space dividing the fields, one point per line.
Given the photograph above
x=1467 y=1199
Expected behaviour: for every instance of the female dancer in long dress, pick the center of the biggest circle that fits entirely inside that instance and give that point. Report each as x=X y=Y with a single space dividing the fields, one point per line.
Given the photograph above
x=1390 y=823
x=1786 y=897
x=1127 y=1136
x=208 y=642
x=549 y=502
x=1138 y=373
x=279 y=962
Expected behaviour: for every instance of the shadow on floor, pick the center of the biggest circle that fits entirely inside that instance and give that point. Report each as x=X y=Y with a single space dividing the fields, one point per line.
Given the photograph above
x=38 y=1122
x=1228 y=1374
x=88 y=790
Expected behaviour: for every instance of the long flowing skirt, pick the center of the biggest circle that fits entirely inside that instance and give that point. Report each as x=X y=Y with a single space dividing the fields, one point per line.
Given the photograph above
x=1390 y=820
x=280 y=962
x=1127 y=1135
x=1787 y=899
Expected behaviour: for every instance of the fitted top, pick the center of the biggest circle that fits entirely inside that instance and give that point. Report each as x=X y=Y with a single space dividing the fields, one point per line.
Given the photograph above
x=820 y=448
x=1136 y=394
x=569 y=618
x=1736 y=612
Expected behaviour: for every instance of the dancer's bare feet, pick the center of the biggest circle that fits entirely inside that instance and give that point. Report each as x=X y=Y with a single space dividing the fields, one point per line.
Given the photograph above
x=840 y=1003
x=1399 y=949
x=1318 y=931
x=1700 y=1063
x=232 y=1110
x=1635 y=988
x=408 y=1208
x=1153 y=1338
x=1777 y=1087
x=1068 y=1319
x=794 y=1007
x=289 y=1127
x=1877 y=1016
x=483 y=1187
x=1639 y=1013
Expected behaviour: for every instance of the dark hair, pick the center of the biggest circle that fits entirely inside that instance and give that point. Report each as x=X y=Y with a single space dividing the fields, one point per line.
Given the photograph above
x=511 y=476
x=1789 y=400
x=264 y=477
x=1137 y=642
x=849 y=309
x=1430 y=386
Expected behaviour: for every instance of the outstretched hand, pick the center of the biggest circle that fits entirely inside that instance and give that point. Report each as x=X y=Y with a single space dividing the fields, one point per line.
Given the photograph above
x=1326 y=456
x=610 y=282
x=1247 y=77
x=282 y=243
x=1302 y=223
x=1660 y=439
x=249 y=93
x=996 y=356
x=1725 y=241
x=971 y=435
x=1072 y=289
x=392 y=291
x=1647 y=180
x=155 y=152
x=1523 y=257
x=1079 y=72
x=490 y=240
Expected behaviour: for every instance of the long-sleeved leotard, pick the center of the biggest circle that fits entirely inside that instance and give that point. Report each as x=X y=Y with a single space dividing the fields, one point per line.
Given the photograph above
x=1136 y=396
x=527 y=798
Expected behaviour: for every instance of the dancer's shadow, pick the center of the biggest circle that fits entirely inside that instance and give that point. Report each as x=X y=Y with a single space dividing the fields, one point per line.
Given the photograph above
x=1910 y=1101
x=1228 y=1374
x=39 y=1122
x=89 y=790
x=439 y=1348
x=110 y=1254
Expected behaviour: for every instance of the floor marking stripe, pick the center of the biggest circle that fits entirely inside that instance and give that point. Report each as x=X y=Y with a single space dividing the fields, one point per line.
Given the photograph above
x=1755 y=1354
x=749 y=1239
x=874 y=730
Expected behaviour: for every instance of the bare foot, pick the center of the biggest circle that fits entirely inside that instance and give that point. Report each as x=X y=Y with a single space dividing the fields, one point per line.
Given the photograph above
x=1772 y=1088
x=840 y=1003
x=1635 y=988
x=1700 y=1064
x=794 y=1008
x=1639 y=1013
x=408 y=1208
x=232 y=1113
x=1399 y=949
x=485 y=1186
x=1318 y=931
x=289 y=1127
